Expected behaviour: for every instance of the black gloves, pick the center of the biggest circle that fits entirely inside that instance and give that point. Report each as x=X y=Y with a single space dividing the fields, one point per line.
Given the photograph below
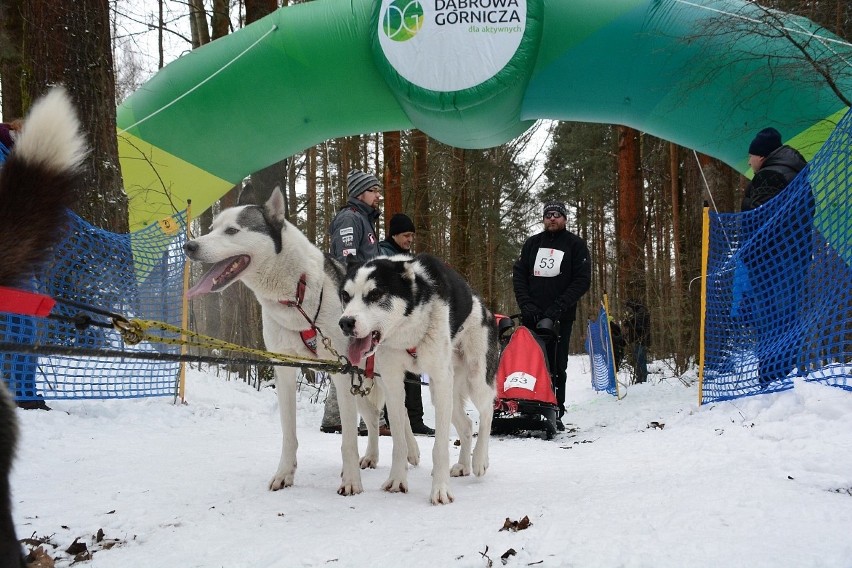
x=530 y=314
x=553 y=312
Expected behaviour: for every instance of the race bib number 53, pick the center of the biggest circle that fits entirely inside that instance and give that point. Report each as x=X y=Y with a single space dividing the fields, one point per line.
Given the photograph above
x=548 y=262
x=520 y=380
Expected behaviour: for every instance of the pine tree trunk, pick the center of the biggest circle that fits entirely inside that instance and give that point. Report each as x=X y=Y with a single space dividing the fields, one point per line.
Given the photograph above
x=198 y=23
x=343 y=167
x=69 y=43
x=600 y=285
x=420 y=189
x=327 y=197
x=674 y=173
x=256 y=9
x=719 y=183
x=459 y=213
x=291 y=203
x=690 y=254
x=311 y=193
x=357 y=158
x=266 y=180
x=630 y=227
x=11 y=43
x=219 y=19
x=392 y=175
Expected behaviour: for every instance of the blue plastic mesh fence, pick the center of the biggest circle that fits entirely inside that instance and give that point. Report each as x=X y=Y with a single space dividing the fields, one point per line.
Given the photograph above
x=137 y=275
x=599 y=348
x=779 y=284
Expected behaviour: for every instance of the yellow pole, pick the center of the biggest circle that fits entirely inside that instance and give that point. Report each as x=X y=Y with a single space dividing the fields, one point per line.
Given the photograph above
x=705 y=254
x=611 y=344
x=185 y=315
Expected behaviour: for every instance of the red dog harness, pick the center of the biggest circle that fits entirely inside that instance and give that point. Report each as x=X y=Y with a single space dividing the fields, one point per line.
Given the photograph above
x=25 y=303
x=370 y=362
x=309 y=336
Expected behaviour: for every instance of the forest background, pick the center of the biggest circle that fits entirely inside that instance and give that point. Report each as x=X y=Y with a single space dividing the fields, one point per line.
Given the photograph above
x=637 y=200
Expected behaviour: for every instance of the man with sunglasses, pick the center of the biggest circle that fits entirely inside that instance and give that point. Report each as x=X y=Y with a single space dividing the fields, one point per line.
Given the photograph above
x=551 y=275
x=353 y=238
x=353 y=230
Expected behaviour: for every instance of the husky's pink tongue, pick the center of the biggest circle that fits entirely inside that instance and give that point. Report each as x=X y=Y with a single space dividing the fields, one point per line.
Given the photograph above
x=209 y=280
x=357 y=348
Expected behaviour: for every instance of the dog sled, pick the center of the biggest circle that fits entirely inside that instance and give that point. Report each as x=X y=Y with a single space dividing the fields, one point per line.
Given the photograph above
x=525 y=400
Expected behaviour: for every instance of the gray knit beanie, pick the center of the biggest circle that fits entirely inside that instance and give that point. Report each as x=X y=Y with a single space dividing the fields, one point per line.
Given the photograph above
x=557 y=206
x=357 y=182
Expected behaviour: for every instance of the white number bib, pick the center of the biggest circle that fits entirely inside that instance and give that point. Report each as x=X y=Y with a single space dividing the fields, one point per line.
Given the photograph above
x=548 y=262
x=520 y=380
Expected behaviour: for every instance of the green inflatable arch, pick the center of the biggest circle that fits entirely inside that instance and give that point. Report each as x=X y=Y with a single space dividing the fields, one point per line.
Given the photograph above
x=472 y=74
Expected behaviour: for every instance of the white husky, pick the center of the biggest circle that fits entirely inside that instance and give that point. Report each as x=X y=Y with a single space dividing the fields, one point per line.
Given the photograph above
x=258 y=246
x=419 y=315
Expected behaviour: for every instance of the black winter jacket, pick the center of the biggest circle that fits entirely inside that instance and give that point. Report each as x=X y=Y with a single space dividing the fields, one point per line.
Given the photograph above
x=557 y=296
x=388 y=247
x=353 y=232
x=637 y=324
x=778 y=170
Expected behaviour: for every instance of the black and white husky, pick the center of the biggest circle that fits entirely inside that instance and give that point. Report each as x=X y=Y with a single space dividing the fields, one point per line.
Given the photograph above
x=419 y=315
x=38 y=182
x=256 y=245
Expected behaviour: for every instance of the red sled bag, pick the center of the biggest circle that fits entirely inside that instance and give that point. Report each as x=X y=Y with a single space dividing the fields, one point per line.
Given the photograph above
x=522 y=373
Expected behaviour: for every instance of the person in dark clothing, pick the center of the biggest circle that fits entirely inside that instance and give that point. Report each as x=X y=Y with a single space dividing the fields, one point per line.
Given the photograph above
x=618 y=343
x=400 y=236
x=551 y=275
x=353 y=229
x=353 y=236
x=398 y=241
x=637 y=334
x=774 y=165
x=774 y=295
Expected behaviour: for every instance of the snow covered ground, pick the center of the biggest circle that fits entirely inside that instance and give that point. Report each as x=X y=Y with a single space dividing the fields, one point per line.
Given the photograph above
x=651 y=480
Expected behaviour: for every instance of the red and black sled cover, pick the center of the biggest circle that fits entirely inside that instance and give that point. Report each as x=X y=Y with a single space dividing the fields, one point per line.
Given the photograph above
x=522 y=373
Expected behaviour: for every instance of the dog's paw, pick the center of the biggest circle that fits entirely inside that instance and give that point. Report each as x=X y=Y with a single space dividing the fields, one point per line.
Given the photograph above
x=395 y=485
x=281 y=480
x=479 y=469
x=441 y=494
x=459 y=470
x=369 y=461
x=351 y=488
x=414 y=454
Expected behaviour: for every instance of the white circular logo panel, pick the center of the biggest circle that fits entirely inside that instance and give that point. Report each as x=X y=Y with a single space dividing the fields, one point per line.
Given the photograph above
x=450 y=45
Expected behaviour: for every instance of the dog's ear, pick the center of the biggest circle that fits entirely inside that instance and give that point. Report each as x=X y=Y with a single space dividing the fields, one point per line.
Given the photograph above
x=275 y=206
x=352 y=265
x=247 y=196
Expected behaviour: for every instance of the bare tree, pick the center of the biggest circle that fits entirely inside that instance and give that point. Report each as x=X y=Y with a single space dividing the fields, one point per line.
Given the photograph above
x=752 y=33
